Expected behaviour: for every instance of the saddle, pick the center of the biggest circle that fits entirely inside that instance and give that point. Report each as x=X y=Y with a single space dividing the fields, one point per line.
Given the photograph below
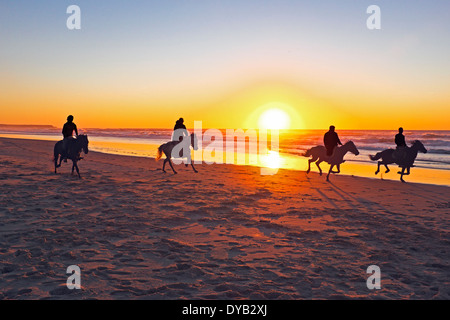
x=399 y=154
x=330 y=150
x=328 y=157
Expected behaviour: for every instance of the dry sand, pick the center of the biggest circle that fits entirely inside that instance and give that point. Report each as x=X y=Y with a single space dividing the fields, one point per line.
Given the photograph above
x=224 y=233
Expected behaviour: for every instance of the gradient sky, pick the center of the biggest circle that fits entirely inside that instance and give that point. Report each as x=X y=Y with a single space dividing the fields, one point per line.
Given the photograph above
x=147 y=63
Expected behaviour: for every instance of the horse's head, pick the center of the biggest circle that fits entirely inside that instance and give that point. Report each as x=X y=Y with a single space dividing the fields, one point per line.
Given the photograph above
x=352 y=148
x=84 y=142
x=419 y=145
x=194 y=141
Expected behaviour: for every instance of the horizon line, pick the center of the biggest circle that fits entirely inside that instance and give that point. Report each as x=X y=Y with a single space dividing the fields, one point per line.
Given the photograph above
x=168 y=128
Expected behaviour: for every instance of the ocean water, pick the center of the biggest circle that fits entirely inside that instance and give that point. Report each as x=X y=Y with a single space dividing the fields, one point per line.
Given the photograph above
x=368 y=142
x=292 y=144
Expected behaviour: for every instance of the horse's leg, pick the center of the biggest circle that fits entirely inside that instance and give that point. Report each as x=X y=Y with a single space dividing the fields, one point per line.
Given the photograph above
x=387 y=168
x=317 y=164
x=338 y=169
x=189 y=161
x=309 y=165
x=401 y=174
x=76 y=167
x=313 y=159
x=329 y=171
x=164 y=165
x=338 y=166
x=58 y=155
x=407 y=171
x=56 y=161
x=378 y=168
x=192 y=163
x=170 y=162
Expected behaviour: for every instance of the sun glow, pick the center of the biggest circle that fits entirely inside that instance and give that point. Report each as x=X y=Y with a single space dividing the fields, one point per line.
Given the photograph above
x=274 y=119
x=272 y=160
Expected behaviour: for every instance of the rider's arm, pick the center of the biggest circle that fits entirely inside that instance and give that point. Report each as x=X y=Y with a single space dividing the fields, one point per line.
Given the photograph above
x=76 y=130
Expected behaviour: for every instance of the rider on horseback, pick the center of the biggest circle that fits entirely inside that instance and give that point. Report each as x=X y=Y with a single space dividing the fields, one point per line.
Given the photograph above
x=179 y=132
x=67 y=131
x=331 y=140
x=399 y=153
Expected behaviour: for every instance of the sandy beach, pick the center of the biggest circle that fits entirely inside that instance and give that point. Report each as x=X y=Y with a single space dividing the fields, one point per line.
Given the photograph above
x=226 y=232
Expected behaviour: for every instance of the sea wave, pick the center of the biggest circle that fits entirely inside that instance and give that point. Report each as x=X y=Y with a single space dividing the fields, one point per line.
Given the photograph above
x=293 y=142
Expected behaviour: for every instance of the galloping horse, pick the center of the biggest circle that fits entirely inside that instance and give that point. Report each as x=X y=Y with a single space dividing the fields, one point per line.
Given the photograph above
x=182 y=145
x=75 y=147
x=406 y=162
x=318 y=154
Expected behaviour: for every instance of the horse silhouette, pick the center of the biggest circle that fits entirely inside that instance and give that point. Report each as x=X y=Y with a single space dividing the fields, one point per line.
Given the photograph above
x=318 y=154
x=168 y=147
x=406 y=162
x=75 y=147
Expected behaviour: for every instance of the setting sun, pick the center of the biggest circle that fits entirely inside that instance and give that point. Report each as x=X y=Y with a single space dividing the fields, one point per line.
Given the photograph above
x=274 y=119
x=275 y=115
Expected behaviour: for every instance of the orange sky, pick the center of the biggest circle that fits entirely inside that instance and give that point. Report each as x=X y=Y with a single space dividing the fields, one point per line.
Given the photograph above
x=222 y=62
x=309 y=108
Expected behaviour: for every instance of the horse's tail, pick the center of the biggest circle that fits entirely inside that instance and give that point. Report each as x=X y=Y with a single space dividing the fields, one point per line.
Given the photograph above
x=55 y=153
x=375 y=157
x=307 y=153
x=159 y=153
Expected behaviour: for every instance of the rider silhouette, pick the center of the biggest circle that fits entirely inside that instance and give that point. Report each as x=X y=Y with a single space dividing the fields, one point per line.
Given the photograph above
x=399 y=153
x=179 y=130
x=400 y=138
x=67 y=131
x=331 y=140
